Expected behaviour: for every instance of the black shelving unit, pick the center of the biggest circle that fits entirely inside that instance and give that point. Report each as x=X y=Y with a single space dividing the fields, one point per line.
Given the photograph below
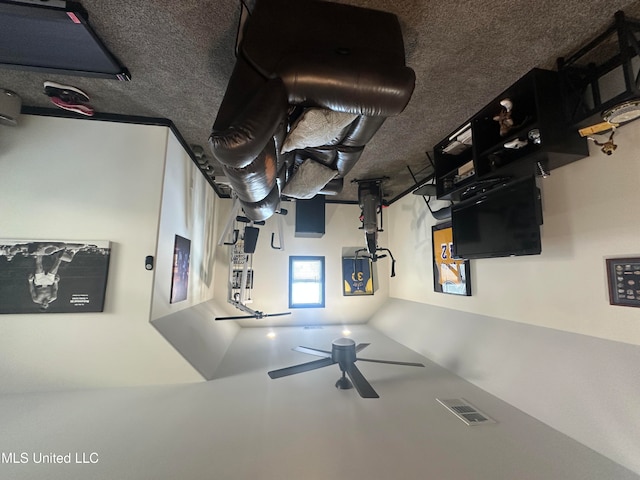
x=540 y=139
x=453 y=162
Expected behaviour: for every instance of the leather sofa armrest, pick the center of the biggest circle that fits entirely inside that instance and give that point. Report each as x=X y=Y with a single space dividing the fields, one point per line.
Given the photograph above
x=307 y=42
x=357 y=87
x=239 y=142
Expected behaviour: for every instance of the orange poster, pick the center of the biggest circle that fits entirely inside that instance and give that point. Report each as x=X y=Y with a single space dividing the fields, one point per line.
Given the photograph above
x=450 y=275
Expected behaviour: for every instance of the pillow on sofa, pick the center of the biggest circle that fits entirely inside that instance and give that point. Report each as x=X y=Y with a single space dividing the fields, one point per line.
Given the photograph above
x=308 y=180
x=316 y=127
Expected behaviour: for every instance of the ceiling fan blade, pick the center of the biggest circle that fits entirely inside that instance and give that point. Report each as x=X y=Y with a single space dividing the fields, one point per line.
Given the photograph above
x=257 y=315
x=362 y=346
x=408 y=364
x=303 y=367
x=363 y=387
x=235 y=318
x=313 y=351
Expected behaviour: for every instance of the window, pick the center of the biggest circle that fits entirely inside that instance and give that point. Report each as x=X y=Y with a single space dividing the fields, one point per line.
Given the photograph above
x=306 y=282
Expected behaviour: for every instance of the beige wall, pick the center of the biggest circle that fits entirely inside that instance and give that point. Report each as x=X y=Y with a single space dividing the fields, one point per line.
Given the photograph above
x=589 y=214
x=86 y=180
x=190 y=208
x=538 y=331
x=272 y=271
x=187 y=209
x=245 y=425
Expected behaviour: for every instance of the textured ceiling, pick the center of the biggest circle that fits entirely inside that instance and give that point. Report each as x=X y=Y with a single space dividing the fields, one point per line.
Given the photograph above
x=180 y=55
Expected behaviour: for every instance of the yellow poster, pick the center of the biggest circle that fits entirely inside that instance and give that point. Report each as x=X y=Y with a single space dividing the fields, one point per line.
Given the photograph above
x=450 y=275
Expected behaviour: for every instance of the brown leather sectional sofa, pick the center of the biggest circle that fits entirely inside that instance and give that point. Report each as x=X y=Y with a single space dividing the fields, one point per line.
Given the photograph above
x=295 y=58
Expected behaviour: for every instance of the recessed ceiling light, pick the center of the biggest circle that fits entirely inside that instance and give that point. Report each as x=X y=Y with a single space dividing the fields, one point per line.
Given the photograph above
x=271 y=335
x=346 y=332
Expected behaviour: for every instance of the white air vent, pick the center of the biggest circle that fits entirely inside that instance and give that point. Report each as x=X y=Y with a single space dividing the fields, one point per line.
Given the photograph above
x=465 y=411
x=312 y=327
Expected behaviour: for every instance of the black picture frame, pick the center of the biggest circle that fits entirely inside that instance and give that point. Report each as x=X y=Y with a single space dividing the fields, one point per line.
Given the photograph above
x=53 y=276
x=180 y=270
x=457 y=272
x=357 y=277
x=623 y=278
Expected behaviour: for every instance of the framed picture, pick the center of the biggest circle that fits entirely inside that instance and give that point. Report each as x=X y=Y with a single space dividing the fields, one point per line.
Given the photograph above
x=180 y=274
x=357 y=276
x=623 y=275
x=450 y=275
x=53 y=276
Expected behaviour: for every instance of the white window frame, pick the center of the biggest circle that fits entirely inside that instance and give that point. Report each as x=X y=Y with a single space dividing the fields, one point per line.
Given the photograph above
x=293 y=303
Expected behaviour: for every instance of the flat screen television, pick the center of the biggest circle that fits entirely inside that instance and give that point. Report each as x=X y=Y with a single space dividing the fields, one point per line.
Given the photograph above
x=502 y=222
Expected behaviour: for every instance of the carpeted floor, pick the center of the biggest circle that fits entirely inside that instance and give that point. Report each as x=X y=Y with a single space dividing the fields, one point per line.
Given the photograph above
x=464 y=53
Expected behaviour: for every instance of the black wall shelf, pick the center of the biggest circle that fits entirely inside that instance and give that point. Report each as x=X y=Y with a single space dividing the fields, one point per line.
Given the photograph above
x=540 y=137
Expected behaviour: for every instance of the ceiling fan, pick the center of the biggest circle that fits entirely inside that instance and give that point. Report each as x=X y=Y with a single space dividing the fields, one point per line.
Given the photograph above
x=251 y=313
x=343 y=352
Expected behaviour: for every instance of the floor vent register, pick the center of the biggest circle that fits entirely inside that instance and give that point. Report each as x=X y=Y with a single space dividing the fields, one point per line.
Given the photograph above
x=466 y=412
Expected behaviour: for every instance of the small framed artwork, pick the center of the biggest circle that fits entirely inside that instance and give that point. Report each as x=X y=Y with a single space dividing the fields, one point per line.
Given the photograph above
x=623 y=276
x=450 y=275
x=180 y=274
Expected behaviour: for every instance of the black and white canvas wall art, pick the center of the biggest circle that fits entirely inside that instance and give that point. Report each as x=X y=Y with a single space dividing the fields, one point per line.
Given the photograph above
x=53 y=276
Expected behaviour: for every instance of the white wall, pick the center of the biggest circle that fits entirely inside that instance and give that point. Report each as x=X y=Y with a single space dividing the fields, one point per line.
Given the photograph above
x=245 y=425
x=271 y=269
x=538 y=331
x=73 y=179
x=582 y=386
x=189 y=209
x=588 y=216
